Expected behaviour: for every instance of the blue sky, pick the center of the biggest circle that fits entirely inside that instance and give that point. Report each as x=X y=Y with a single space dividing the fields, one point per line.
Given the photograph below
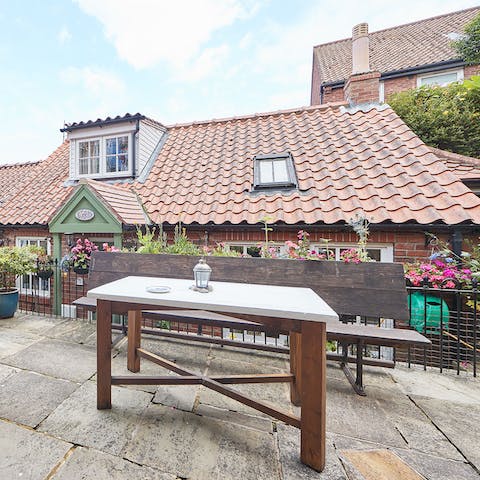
x=176 y=61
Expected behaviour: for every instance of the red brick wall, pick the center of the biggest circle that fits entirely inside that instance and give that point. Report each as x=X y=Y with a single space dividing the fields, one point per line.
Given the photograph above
x=393 y=85
x=362 y=88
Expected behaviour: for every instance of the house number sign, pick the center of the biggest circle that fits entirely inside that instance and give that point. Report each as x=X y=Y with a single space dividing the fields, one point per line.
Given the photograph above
x=84 y=214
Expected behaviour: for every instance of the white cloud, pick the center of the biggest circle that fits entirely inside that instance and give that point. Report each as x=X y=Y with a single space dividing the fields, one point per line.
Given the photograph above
x=64 y=35
x=147 y=32
x=209 y=61
x=97 y=82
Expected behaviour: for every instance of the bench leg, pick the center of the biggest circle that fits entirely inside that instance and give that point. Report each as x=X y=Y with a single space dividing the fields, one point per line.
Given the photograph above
x=134 y=326
x=104 y=354
x=313 y=397
x=356 y=383
x=295 y=367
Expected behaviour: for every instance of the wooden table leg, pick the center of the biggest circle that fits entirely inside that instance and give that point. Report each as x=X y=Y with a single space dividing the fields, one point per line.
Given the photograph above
x=296 y=367
x=134 y=326
x=313 y=374
x=104 y=354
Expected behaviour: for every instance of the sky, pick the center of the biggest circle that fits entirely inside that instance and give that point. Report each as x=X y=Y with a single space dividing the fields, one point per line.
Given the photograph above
x=174 y=61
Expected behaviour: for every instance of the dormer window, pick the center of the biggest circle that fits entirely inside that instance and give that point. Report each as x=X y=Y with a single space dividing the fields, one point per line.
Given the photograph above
x=274 y=171
x=113 y=148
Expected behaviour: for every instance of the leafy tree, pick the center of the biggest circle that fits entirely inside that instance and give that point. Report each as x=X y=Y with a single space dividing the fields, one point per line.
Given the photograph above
x=443 y=117
x=468 y=47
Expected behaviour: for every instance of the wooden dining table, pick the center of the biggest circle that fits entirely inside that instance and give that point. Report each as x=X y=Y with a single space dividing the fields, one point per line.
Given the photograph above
x=297 y=310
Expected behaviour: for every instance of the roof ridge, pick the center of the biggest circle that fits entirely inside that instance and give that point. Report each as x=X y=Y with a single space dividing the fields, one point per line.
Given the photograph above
x=20 y=164
x=324 y=106
x=455 y=157
x=402 y=25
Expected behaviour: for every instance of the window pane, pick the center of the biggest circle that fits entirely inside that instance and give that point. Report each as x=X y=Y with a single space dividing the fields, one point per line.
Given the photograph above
x=95 y=165
x=122 y=163
x=83 y=149
x=122 y=144
x=374 y=253
x=266 y=171
x=236 y=248
x=111 y=146
x=280 y=171
x=112 y=164
x=83 y=166
x=94 y=148
x=439 y=79
x=253 y=251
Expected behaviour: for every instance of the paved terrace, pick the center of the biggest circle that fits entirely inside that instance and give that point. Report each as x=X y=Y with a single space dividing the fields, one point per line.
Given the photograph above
x=50 y=427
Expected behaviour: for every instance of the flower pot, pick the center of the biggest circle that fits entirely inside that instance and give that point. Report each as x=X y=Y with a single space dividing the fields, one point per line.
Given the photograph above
x=80 y=270
x=8 y=303
x=45 y=274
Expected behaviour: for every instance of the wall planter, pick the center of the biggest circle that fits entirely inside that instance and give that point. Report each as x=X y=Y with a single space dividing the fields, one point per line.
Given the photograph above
x=8 y=303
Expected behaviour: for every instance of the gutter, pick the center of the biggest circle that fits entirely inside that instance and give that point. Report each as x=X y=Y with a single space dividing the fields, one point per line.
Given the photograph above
x=431 y=67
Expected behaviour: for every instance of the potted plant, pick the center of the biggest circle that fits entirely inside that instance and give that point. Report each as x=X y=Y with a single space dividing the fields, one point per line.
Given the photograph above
x=81 y=253
x=14 y=261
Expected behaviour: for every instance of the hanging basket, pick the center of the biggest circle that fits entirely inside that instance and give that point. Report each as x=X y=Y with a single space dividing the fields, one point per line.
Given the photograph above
x=80 y=270
x=45 y=274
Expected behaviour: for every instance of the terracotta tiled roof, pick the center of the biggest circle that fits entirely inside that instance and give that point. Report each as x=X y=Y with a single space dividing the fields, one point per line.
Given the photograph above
x=32 y=192
x=122 y=202
x=415 y=44
x=347 y=162
x=466 y=168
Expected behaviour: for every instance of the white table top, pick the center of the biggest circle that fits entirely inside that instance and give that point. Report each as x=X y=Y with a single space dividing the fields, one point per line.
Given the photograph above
x=253 y=299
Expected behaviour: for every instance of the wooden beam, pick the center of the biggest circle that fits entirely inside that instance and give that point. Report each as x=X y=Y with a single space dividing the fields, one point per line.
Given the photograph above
x=313 y=372
x=196 y=380
x=104 y=354
x=134 y=326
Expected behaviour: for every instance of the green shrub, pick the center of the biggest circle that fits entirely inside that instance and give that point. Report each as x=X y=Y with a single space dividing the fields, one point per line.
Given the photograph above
x=444 y=117
x=468 y=47
x=15 y=261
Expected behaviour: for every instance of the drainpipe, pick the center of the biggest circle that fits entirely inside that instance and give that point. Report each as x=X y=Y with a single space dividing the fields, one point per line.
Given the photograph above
x=134 y=150
x=457 y=240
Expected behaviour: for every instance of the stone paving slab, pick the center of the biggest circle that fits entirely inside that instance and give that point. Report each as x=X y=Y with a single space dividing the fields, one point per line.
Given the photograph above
x=274 y=393
x=13 y=341
x=29 y=323
x=5 y=372
x=34 y=396
x=56 y=358
x=430 y=466
x=78 y=331
x=26 y=454
x=86 y=463
x=77 y=419
x=201 y=448
x=183 y=397
x=459 y=422
x=288 y=439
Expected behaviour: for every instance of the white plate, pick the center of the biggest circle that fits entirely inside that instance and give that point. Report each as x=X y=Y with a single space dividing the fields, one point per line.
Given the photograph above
x=158 y=289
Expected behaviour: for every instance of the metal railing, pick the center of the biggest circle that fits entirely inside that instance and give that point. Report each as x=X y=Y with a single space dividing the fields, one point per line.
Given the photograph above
x=448 y=317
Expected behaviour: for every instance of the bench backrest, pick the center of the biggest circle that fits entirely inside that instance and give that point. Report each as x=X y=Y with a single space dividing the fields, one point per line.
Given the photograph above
x=371 y=289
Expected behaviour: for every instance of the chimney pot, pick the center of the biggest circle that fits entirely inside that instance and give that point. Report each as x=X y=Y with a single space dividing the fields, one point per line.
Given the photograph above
x=360 y=49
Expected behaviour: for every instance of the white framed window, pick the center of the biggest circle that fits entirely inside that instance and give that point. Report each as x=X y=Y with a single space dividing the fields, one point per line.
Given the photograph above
x=31 y=284
x=274 y=170
x=381 y=92
x=440 y=78
x=89 y=157
x=252 y=249
x=108 y=156
x=378 y=252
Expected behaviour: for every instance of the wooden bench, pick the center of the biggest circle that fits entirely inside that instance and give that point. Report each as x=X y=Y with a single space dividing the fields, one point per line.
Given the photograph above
x=368 y=290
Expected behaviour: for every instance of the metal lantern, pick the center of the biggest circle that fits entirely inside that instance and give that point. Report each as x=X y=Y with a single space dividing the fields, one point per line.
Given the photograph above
x=201 y=274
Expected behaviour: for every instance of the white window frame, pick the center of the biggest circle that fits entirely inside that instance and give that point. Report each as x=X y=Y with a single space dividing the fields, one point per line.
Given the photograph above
x=26 y=241
x=87 y=175
x=381 y=92
x=245 y=245
x=458 y=71
x=386 y=250
x=287 y=158
x=103 y=156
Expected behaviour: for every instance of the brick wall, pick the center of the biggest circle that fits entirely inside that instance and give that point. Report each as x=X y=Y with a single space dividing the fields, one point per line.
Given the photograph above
x=362 y=88
x=393 y=85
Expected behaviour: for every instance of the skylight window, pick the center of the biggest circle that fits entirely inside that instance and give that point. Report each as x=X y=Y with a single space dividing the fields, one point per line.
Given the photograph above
x=274 y=171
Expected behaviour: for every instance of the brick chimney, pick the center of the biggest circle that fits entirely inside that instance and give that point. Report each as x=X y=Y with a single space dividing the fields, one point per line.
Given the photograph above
x=363 y=84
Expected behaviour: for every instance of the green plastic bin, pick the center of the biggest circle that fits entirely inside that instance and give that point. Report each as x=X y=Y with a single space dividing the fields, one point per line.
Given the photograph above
x=434 y=308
